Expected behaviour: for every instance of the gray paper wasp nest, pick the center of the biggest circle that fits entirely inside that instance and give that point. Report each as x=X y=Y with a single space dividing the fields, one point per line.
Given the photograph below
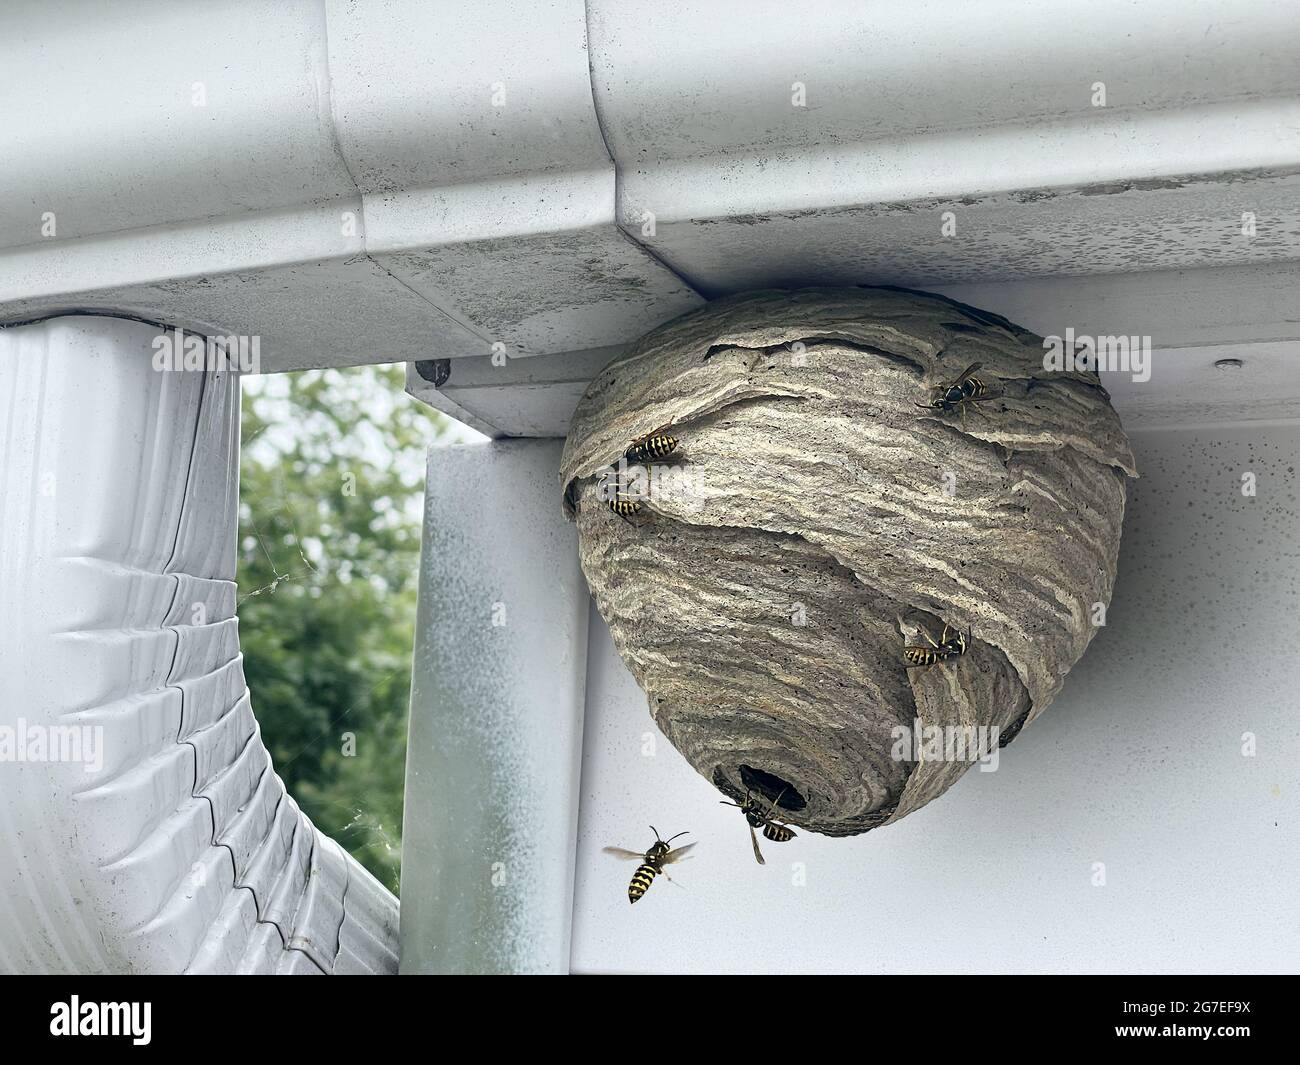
x=826 y=504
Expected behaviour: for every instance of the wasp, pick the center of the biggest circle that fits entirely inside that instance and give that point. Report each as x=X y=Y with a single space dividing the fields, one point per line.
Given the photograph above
x=954 y=397
x=617 y=496
x=652 y=862
x=952 y=644
x=772 y=829
x=624 y=507
x=654 y=445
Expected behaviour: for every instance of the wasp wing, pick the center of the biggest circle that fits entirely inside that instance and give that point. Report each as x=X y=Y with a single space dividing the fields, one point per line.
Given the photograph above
x=990 y=391
x=758 y=854
x=646 y=436
x=619 y=852
x=675 y=855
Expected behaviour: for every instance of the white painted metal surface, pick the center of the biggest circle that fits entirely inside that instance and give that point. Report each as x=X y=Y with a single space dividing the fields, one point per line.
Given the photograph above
x=497 y=700
x=143 y=828
x=1141 y=766
x=990 y=110
x=1194 y=318
x=457 y=175
x=435 y=169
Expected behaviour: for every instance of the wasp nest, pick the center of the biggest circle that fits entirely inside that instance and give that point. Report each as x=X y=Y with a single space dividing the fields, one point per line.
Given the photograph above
x=809 y=496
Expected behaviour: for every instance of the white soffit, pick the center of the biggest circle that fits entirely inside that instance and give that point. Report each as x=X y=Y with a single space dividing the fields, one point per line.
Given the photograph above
x=502 y=159
x=1194 y=318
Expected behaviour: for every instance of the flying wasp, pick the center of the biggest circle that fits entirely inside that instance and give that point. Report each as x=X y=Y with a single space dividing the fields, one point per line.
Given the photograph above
x=954 y=397
x=652 y=862
x=952 y=644
x=772 y=829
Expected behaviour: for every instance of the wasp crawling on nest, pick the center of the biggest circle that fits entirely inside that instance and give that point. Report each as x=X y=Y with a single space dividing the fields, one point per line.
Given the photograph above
x=622 y=504
x=949 y=646
x=624 y=500
x=653 y=445
x=652 y=862
x=613 y=492
x=955 y=396
x=773 y=830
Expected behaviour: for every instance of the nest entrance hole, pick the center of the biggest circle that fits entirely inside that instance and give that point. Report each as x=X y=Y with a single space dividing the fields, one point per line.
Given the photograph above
x=772 y=788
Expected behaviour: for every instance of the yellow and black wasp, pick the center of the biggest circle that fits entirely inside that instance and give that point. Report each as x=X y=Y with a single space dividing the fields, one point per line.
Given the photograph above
x=623 y=505
x=652 y=862
x=954 y=397
x=772 y=829
x=641 y=451
x=623 y=499
x=952 y=644
x=653 y=445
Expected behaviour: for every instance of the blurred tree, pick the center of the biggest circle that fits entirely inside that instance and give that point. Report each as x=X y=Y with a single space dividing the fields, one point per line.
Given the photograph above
x=331 y=492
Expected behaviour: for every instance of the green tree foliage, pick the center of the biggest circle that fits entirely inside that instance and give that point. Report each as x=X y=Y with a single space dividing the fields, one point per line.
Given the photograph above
x=332 y=476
